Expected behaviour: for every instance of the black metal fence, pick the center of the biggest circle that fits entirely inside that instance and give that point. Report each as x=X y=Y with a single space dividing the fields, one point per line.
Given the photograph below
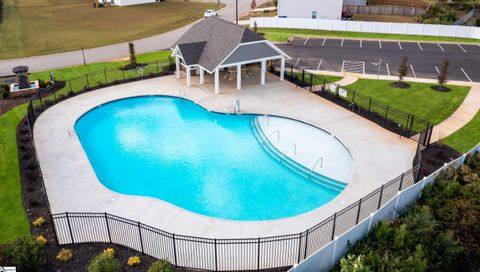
x=224 y=254
x=197 y=252
x=397 y=121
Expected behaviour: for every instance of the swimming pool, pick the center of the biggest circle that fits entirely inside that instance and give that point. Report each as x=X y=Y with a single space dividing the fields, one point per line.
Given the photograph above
x=209 y=163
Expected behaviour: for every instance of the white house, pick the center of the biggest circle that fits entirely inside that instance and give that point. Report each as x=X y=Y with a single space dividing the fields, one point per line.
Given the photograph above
x=313 y=9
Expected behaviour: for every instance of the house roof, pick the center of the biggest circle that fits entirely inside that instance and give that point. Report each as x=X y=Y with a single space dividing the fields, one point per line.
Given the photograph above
x=210 y=41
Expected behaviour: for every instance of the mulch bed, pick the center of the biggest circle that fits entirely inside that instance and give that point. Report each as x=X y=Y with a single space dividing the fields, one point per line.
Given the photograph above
x=10 y=103
x=400 y=85
x=442 y=89
x=435 y=156
x=132 y=66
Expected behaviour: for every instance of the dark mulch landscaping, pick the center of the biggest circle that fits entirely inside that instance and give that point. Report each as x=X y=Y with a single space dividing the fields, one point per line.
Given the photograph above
x=435 y=156
x=442 y=89
x=400 y=85
x=10 y=103
x=131 y=66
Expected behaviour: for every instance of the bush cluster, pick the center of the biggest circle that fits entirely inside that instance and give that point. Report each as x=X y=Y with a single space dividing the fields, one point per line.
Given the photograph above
x=104 y=262
x=4 y=89
x=439 y=14
x=441 y=232
x=26 y=254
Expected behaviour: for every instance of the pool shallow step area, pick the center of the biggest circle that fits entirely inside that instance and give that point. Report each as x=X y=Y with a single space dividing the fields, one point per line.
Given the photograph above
x=291 y=164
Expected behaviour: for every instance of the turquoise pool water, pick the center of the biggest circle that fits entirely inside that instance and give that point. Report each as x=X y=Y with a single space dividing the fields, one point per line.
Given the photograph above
x=208 y=163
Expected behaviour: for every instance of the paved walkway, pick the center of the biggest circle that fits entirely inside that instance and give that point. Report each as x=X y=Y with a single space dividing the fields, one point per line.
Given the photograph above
x=115 y=51
x=467 y=110
x=347 y=80
x=71 y=183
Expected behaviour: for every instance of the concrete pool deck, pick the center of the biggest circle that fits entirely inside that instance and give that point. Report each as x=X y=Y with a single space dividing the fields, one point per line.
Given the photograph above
x=72 y=186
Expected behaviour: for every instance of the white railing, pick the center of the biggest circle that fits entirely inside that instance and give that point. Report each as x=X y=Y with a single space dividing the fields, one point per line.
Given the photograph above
x=369 y=27
x=326 y=257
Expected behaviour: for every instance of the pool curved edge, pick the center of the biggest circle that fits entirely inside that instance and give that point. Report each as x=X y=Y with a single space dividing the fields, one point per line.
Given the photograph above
x=72 y=185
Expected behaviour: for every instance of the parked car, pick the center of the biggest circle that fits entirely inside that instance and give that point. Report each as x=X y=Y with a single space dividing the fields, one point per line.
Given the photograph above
x=210 y=13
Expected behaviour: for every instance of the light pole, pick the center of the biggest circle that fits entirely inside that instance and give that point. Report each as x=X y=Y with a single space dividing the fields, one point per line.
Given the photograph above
x=379 y=67
x=236 y=11
x=83 y=53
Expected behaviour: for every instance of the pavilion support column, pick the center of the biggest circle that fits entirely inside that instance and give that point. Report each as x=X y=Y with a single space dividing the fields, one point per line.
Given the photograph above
x=282 y=69
x=264 y=70
x=177 y=65
x=189 y=77
x=217 y=81
x=202 y=76
x=239 y=77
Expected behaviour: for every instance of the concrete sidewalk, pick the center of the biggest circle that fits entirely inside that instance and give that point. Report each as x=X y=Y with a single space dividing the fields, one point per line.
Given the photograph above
x=464 y=114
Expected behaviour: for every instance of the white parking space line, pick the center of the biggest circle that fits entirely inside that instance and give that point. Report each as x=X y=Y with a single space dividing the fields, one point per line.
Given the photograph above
x=319 y=64
x=353 y=66
x=341 y=45
x=443 y=50
x=466 y=74
x=399 y=45
x=413 y=71
x=438 y=71
x=421 y=49
x=296 y=63
x=305 y=43
x=464 y=51
x=388 y=68
x=380 y=44
x=324 y=40
x=361 y=43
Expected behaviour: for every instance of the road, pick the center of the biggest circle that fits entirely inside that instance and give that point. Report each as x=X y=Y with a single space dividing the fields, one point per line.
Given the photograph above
x=120 y=50
x=362 y=56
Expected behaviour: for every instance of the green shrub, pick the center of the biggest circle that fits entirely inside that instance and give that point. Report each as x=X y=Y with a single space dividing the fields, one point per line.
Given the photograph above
x=104 y=262
x=27 y=254
x=4 y=91
x=160 y=266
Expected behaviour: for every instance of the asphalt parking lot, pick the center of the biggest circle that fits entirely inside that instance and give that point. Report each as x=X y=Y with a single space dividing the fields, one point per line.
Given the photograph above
x=362 y=56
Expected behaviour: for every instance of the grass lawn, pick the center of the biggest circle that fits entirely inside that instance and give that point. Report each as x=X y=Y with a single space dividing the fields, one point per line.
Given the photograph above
x=419 y=100
x=13 y=219
x=73 y=71
x=282 y=34
x=35 y=27
x=467 y=137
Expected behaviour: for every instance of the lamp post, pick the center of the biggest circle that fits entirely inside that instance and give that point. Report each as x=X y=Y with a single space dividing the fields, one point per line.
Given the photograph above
x=83 y=53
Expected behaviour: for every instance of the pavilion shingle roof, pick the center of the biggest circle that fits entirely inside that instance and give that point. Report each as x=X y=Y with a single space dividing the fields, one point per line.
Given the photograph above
x=210 y=41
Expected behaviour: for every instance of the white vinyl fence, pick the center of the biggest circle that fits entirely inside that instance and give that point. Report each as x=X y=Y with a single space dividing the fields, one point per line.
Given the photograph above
x=370 y=27
x=325 y=258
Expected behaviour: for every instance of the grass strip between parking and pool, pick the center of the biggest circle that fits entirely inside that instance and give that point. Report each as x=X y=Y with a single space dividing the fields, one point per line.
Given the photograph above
x=282 y=35
x=467 y=137
x=419 y=100
x=13 y=219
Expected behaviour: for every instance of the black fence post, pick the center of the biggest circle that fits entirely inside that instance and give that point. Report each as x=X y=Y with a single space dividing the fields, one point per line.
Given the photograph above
x=258 y=254
x=216 y=259
x=303 y=78
x=334 y=223
x=380 y=199
x=140 y=234
x=40 y=98
x=108 y=228
x=358 y=212
x=386 y=117
x=88 y=83
x=299 y=247
x=401 y=181
x=54 y=229
x=70 y=84
x=158 y=69
x=174 y=250
x=411 y=123
x=324 y=84
x=54 y=94
x=306 y=244
x=369 y=106
x=69 y=228
x=291 y=71
x=105 y=74
x=353 y=97
x=123 y=74
x=311 y=81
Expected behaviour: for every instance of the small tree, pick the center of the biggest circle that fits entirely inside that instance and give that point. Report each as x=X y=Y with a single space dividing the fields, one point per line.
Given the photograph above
x=403 y=69
x=255 y=28
x=253 y=4
x=442 y=76
x=133 y=57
